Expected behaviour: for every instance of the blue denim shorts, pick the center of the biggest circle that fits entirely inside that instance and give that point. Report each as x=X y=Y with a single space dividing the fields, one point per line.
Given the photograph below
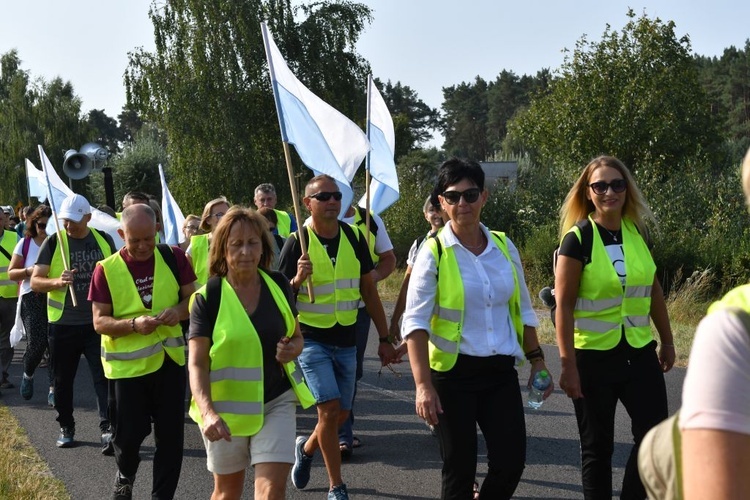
x=329 y=371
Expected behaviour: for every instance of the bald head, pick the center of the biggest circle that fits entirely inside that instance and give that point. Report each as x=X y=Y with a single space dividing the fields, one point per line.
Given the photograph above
x=138 y=211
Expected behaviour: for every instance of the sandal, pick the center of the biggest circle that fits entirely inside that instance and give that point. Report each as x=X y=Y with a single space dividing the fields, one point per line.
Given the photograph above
x=346 y=451
x=476 y=491
x=356 y=443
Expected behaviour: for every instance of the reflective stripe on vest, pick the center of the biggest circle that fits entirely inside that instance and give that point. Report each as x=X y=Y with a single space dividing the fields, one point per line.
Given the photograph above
x=199 y=256
x=447 y=315
x=336 y=288
x=283 y=223
x=604 y=307
x=236 y=363
x=8 y=287
x=135 y=355
x=56 y=298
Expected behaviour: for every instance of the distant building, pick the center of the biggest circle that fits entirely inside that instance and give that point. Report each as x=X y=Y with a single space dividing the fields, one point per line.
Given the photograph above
x=500 y=172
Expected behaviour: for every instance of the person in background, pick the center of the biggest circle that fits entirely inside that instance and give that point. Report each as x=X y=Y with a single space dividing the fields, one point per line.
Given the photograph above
x=200 y=244
x=339 y=264
x=33 y=307
x=107 y=210
x=606 y=290
x=715 y=417
x=134 y=197
x=191 y=227
x=24 y=215
x=468 y=322
x=277 y=240
x=384 y=262
x=244 y=320
x=71 y=328
x=265 y=196
x=138 y=296
x=156 y=207
x=8 y=300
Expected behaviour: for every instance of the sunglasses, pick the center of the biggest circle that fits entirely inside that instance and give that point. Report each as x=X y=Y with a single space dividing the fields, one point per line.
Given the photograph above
x=470 y=195
x=41 y=225
x=601 y=187
x=326 y=195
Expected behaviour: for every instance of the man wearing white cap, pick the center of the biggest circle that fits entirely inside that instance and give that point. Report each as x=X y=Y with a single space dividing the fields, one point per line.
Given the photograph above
x=71 y=329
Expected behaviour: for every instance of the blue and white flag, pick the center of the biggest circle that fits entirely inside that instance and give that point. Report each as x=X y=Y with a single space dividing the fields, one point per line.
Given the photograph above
x=327 y=141
x=171 y=215
x=384 y=184
x=58 y=191
x=35 y=182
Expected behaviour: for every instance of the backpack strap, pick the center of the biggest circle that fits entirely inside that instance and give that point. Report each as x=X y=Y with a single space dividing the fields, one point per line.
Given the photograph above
x=213 y=299
x=363 y=220
x=171 y=261
x=25 y=248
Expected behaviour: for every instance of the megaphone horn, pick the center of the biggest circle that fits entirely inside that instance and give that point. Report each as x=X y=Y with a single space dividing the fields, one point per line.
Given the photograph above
x=76 y=165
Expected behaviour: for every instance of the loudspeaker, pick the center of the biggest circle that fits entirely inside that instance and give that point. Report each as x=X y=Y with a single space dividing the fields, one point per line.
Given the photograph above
x=76 y=165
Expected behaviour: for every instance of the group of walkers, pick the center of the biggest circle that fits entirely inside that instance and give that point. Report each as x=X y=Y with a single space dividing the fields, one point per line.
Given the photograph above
x=275 y=317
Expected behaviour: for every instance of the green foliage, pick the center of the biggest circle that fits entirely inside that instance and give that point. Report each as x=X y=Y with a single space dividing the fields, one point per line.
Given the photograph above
x=207 y=87
x=635 y=95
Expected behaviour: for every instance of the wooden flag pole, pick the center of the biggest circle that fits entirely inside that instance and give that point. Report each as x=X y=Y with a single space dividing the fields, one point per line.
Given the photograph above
x=295 y=201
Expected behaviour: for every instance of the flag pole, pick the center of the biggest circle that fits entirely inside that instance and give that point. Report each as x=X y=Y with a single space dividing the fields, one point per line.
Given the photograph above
x=367 y=166
x=60 y=240
x=287 y=156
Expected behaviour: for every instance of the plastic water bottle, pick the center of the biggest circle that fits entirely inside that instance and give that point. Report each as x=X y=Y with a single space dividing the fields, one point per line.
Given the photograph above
x=540 y=384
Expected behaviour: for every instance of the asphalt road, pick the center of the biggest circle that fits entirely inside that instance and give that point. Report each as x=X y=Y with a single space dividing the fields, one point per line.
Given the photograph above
x=399 y=459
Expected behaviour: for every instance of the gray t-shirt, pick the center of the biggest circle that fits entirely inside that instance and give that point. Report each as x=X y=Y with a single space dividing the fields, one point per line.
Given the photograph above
x=84 y=254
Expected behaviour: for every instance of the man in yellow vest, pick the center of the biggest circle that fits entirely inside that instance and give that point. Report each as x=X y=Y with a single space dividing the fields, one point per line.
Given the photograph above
x=338 y=264
x=139 y=297
x=265 y=196
x=8 y=299
x=71 y=328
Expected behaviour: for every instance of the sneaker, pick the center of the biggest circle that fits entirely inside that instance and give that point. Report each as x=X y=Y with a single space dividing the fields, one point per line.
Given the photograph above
x=123 y=487
x=27 y=387
x=66 y=437
x=302 y=464
x=51 y=398
x=338 y=493
x=108 y=449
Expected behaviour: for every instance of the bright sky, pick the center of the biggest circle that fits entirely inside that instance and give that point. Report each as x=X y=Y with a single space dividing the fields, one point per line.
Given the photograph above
x=425 y=44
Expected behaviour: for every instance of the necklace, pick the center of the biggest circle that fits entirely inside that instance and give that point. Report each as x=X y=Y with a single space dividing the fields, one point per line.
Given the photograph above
x=477 y=247
x=613 y=235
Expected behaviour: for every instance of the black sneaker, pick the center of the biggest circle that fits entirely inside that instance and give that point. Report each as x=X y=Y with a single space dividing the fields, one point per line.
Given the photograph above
x=123 y=487
x=66 y=437
x=108 y=448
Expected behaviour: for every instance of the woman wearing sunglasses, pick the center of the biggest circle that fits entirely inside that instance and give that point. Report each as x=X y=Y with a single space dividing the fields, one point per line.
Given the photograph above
x=33 y=304
x=468 y=323
x=606 y=289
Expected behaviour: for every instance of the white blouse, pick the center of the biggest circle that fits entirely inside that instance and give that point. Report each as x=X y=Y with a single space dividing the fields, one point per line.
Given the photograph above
x=488 y=286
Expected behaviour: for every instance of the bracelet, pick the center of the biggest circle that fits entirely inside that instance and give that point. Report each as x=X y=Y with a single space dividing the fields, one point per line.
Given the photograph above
x=132 y=323
x=385 y=340
x=535 y=353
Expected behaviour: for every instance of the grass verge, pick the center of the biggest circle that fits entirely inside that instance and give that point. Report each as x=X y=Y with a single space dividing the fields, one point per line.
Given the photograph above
x=23 y=474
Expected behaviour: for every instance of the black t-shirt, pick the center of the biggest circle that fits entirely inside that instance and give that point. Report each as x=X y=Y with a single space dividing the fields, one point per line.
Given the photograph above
x=268 y=322
x=338 y=335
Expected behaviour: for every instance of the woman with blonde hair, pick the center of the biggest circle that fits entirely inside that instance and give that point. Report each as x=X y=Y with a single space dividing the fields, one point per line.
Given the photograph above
x=198 y=250
x=244 y=338
x=606 y=290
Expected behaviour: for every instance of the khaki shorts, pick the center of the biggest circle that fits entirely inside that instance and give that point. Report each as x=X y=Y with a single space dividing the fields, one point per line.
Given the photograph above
x=273 y=443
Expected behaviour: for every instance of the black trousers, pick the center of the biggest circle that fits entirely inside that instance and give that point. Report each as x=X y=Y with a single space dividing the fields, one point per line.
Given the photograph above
x=634 y=377
x=66 y=344
x=134 y=402
x=482 y=391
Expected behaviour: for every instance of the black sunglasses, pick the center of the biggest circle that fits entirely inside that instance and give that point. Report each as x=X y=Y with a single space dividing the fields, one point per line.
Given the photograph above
x=470 y=195
x=326 y=195
x=601 y=187
x=41 y=225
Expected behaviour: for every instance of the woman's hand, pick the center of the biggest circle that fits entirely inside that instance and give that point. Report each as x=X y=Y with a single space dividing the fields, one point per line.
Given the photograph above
x=667 y=356
x=286 y=350
x=214 y=427
x=538 y=365
x=570 y=382
x=428 y=404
